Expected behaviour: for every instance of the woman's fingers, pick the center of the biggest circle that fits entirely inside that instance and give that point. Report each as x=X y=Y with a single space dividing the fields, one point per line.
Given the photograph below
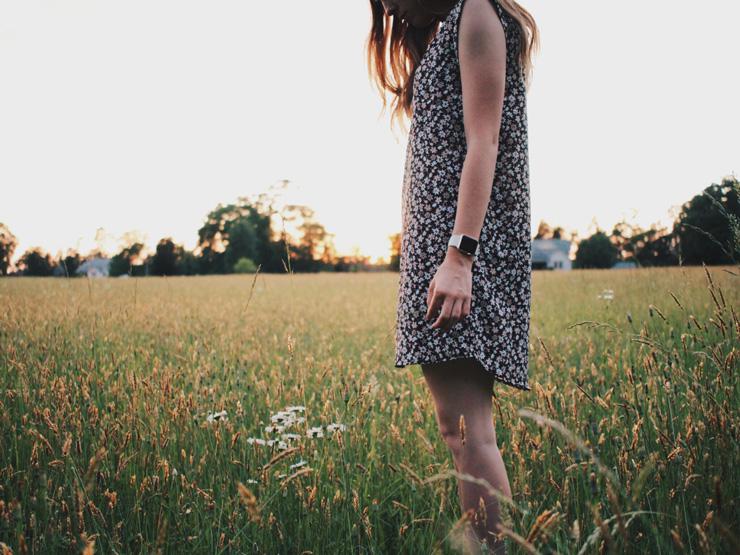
x=454 y=317
x=430 y=292
x=445 y=314
x=451 y=313
x=434 y=300
x=434 y=306
x=456 y=313
x=452 y=307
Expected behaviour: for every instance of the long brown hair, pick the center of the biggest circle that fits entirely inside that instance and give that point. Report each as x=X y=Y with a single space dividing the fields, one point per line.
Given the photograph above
x=394 y=49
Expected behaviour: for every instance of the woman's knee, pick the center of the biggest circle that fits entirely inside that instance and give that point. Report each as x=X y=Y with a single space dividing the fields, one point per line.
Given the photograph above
x=460 y=436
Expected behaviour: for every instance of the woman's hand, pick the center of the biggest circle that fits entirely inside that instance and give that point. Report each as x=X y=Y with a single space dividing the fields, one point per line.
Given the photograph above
x=450 y=290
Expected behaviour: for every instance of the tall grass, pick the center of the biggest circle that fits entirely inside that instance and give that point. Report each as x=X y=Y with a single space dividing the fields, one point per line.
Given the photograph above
x=114 y=439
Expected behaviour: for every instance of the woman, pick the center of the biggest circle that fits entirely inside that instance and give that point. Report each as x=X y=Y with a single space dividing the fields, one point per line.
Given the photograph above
x=460 y=69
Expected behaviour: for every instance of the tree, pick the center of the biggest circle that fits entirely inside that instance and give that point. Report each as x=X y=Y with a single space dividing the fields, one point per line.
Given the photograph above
x=242 y=242
x=708 y=226
x=645 y=247
x=127 y=261
x=655 y=247
x=69 y=263
x=245 y=230
x=187 y=265
x=544 y=231
x=231 y=232
x=245 y=266
x=36 y=262
x=395 y=263
x=165 y=261
x=355 y=262
x=271 y=246
x=597 y=251
x=314 y=249
x=8 y=243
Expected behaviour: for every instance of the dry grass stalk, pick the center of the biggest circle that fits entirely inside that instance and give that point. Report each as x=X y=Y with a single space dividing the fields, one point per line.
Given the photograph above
x=461 y=428
x=520 y=541
x=295 y=475
x=250 y=501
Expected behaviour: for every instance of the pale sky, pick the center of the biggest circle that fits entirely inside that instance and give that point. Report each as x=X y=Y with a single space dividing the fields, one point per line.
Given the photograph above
x=144 y=115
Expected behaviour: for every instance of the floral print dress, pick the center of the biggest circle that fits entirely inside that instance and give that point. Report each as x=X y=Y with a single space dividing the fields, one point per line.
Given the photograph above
x=496 y=332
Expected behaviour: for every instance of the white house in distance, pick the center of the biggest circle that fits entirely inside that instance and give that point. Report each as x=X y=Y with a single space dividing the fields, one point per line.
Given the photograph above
x=95 y=267
x=551 y=254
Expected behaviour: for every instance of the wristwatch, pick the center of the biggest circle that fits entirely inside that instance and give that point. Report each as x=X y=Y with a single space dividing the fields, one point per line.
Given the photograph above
x=464 y=243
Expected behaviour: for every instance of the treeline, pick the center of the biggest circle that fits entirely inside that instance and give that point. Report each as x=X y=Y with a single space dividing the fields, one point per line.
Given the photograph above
x=244 y=237
x=706 y=230
x=241 y=237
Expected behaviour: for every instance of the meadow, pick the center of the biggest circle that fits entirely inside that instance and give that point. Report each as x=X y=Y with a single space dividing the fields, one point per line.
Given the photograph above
x=263 y=414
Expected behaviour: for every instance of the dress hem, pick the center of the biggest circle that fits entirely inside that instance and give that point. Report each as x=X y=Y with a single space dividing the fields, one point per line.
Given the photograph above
x=419 y=362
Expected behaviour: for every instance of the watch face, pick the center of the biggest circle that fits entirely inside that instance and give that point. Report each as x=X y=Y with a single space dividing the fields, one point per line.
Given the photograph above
x=468 y=244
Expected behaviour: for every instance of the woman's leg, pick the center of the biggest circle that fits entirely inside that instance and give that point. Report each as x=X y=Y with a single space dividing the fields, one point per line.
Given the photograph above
x=463 y=387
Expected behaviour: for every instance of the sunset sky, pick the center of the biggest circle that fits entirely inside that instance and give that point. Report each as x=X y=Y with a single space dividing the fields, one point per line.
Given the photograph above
x=144 y=115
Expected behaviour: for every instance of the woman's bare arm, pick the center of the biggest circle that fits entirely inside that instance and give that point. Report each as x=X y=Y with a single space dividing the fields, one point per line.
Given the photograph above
x=482 y=53
x=482 y=58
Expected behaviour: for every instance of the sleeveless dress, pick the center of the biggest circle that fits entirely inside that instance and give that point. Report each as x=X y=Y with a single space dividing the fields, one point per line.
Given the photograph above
x=496 y=331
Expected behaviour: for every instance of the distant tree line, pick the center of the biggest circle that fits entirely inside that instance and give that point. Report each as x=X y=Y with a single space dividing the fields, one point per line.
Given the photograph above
x=706 y=230
x=240 y=237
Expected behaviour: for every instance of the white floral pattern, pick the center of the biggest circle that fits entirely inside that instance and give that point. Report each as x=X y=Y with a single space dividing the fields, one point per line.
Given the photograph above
x=496 y=332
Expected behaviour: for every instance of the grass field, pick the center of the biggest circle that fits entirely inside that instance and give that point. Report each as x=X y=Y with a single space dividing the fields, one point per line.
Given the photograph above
x=113 y=439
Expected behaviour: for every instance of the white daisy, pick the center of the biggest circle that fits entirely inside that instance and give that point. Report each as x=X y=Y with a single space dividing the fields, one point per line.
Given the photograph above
x=281 y=416
x=315 y=431
x=217 y=416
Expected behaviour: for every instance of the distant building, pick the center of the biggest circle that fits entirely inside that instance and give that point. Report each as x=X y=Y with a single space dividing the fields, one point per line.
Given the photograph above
x=94 y=267
x=551 y=254
x=624 y=264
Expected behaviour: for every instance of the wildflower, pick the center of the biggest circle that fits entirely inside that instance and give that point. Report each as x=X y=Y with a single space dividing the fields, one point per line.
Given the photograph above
x=282 y=445
x=295 y=408
x=332 y=427
x=607 y=294
x=271 y=429
x=257 y=440
x=298 y=464
x=217 y=416
x=252 y=481
x=290 y=436
x=315 y=431
x=281 y=416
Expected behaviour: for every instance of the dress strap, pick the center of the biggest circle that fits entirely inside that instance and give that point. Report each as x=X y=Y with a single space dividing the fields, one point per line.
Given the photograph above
x=502 y=15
